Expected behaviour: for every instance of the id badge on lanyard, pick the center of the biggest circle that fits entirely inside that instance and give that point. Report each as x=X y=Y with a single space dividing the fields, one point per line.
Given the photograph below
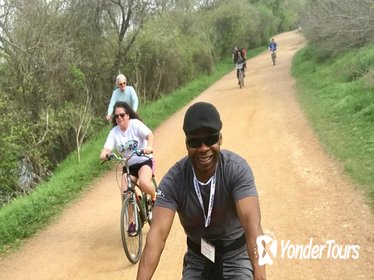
x=207 y=249
x=207 y=216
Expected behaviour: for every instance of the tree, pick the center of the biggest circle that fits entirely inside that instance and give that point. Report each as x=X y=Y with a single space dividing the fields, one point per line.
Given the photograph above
x=335 y=25
x=126 y=18
x=38 y=51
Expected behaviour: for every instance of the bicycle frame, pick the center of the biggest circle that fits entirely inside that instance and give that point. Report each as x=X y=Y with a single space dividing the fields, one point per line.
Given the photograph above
x=135 y=209
x=240 y=73
x=241 y=77
x=141 y=202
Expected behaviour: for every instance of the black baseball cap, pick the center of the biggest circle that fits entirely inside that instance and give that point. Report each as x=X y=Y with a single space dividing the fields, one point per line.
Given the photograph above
x=199 y=115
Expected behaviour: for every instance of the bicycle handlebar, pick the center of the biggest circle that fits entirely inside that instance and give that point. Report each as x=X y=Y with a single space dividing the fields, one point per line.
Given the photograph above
x=138 y=152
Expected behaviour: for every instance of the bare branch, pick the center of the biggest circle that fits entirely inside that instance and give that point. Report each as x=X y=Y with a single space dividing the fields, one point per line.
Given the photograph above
x=46 y=129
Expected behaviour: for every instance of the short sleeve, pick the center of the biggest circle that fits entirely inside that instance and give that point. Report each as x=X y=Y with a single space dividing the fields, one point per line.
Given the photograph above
x=110 y=140
x=240 y=177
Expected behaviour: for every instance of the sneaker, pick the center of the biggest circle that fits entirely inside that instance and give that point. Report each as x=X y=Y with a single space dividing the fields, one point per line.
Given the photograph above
x=131 y=230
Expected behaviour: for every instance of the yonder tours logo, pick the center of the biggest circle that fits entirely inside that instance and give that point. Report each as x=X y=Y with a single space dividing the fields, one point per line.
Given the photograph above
x=267 y=248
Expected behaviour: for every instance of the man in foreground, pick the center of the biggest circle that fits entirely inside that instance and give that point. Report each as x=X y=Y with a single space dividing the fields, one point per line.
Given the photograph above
x=214 y=193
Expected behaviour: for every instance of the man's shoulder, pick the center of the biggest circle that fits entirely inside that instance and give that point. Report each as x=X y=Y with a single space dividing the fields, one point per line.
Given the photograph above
x=181 y=165
x=179 y=169
x=232 y=161
x=228 y=156
x=177 y=173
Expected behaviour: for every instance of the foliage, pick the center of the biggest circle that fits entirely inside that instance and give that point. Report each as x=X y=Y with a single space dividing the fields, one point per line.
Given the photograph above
x=59 y=60
x=8 y=153
x=166 y=61
x=356 y=64
x=341 y=107
x=37 y=82
x=26 y=215
x=337 y=25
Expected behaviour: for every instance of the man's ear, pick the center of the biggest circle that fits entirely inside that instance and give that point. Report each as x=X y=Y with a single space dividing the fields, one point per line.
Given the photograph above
x=220 y=139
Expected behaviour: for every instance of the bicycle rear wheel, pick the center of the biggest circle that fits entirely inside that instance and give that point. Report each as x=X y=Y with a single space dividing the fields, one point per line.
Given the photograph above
x=132 y=244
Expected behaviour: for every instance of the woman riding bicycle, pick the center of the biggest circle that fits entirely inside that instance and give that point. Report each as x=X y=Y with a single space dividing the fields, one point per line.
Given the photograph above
x=240 y=64
x=127 y=126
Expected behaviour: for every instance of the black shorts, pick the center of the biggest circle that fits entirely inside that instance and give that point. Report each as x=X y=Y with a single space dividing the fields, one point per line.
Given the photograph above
x=134 y=169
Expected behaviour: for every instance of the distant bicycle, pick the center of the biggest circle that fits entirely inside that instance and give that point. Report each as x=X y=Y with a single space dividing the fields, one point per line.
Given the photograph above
x=273 y=49
x=136 y=206
x=240 y=68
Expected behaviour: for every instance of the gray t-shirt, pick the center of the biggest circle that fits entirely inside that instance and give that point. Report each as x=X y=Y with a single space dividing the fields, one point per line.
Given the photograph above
x=234 y=181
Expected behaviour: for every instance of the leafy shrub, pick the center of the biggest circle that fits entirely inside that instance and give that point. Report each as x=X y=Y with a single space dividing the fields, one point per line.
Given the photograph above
x=368 y=79
x=357 y=64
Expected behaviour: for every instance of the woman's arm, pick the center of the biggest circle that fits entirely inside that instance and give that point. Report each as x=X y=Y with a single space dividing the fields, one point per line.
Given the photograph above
x=150 y=140
x=104 y=153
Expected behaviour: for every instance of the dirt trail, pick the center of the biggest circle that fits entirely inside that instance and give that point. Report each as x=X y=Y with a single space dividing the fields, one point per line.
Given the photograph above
x=303 y=192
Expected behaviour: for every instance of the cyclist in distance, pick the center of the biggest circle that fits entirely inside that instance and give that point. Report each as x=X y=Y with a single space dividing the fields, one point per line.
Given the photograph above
x=240 y=64
x=273 y=45
x=214 y=193
x=127 y=126
x=123 y=93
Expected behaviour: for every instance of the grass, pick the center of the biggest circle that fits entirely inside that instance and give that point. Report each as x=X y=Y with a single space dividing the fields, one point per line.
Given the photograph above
x=26 y=216
x=338 y=98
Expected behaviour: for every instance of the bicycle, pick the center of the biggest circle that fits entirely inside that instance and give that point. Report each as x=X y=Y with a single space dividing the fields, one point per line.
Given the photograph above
x=240 y=67
x=135 y=208
x=241 y=78
x=273 y=56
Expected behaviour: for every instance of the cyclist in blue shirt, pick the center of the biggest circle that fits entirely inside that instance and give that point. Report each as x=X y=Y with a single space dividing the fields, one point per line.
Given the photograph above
x=273 y=46
x=273 y=50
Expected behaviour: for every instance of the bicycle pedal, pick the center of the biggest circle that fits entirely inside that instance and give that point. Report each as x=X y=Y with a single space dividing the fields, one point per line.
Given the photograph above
x=133 y=234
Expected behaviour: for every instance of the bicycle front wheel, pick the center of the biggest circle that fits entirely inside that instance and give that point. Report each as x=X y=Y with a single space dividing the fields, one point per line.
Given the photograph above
x=273 y=57
x=241 y=79
x=131 y=241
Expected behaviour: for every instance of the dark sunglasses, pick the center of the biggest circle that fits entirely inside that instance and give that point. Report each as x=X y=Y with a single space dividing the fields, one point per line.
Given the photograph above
x=197 y=142
x=122 y=115
x=122 y=84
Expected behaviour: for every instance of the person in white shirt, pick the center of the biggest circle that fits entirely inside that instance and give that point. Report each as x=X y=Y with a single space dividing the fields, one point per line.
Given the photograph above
x=128 y=127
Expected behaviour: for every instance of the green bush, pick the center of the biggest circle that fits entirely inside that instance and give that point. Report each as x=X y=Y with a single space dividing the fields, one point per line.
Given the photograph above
x=357 y=64
x=335 y=96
